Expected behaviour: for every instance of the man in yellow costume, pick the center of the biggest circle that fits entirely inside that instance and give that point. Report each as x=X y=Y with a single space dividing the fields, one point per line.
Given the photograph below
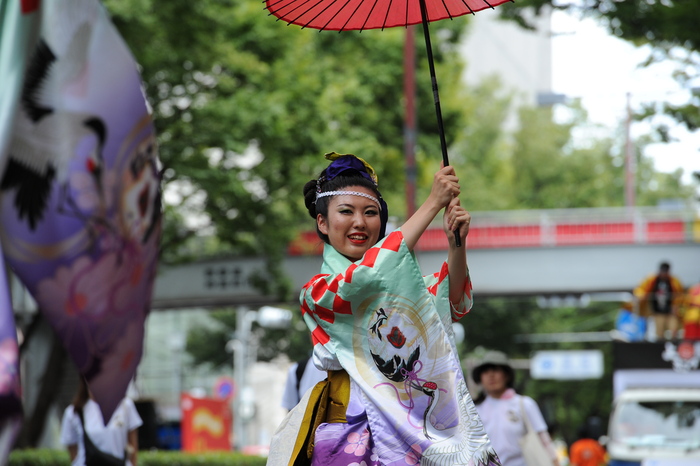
x=660 y=295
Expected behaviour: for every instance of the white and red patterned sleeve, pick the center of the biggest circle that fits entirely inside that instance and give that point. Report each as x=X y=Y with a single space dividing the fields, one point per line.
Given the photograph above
x=317 y=304
x=325 y=295
x=438 y=284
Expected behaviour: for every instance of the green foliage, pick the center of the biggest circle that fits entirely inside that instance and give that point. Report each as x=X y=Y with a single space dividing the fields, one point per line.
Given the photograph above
x=204 y=342
x=493 y=323
x=641 y=21
x=39 y=457
x=670 y=28
x=245 y=107
x=299 y=93
x=567 y=404
x=48 y=457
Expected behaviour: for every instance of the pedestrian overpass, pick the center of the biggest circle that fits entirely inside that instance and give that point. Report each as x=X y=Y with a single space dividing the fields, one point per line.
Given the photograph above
x=567 y=252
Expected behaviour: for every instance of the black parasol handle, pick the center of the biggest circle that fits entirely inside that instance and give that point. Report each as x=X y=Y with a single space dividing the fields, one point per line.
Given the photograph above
x=436 y=95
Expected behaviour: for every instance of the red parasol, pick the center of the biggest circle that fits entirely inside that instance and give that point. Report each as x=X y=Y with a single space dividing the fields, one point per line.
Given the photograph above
x=354 y=15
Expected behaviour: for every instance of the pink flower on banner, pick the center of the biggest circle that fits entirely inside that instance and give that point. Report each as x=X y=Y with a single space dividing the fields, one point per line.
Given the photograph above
x=414 y=455
x=93 y=290
x=358 y=443
x=358 y=464
x=9 y=382
x=122 y=357
x=98 y=299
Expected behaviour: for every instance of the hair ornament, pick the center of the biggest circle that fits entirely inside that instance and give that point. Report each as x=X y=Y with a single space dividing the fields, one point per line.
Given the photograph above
x=344 y=162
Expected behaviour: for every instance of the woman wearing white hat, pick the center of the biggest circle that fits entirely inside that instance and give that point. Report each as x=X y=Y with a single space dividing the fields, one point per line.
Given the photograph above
x=502 y=411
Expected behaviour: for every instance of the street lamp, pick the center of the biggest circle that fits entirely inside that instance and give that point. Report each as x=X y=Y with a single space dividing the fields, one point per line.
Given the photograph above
x=268 y=317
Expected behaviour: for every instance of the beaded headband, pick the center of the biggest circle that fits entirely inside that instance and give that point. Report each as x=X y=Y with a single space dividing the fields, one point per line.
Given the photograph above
x=350 y=193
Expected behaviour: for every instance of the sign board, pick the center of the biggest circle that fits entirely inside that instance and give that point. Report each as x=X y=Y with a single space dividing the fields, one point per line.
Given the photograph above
x=567 y=365
x=206 y=424
x=224 y=388
x=670 y=462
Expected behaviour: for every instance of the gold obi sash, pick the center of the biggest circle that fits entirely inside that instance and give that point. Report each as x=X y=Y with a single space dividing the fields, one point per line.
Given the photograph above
x=328 y=402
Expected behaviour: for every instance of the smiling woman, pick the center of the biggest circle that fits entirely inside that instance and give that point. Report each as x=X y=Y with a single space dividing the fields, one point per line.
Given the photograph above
x=395 y=393
x=352 y=223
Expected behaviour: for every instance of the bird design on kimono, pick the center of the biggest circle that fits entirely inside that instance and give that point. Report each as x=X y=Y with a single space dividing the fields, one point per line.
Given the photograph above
x=389 y=349
x=47 y=132
x=395 y=345
x=473 y=446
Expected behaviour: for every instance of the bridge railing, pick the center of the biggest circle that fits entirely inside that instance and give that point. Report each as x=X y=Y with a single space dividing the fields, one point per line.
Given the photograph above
x=556 y=228
x=575 y=227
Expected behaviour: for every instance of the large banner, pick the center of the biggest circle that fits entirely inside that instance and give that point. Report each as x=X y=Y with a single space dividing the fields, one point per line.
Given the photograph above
x=80 y=185
x=10 y=395
x=19 y=25
x=206 y=424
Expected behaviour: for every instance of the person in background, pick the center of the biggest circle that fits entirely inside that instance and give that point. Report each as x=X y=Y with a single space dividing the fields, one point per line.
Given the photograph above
x=587 y=451
x=302 y=376
x=119 y=437
x=691 y=315
x=501 y=410
x=661 y=294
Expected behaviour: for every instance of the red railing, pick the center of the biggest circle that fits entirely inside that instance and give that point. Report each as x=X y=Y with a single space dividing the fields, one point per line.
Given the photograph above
x=551 y=228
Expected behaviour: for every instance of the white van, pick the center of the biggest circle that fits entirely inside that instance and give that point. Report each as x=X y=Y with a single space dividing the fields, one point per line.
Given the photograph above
x=655 y=426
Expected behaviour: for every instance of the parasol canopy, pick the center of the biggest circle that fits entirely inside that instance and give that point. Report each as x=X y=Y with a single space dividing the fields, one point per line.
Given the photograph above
x=353 y=15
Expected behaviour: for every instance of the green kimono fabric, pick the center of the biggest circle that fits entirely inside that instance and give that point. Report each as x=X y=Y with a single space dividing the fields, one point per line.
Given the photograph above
x=390 y=328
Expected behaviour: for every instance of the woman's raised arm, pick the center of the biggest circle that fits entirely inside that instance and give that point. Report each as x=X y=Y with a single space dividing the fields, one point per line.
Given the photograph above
x=457 y=218
x=445 y=188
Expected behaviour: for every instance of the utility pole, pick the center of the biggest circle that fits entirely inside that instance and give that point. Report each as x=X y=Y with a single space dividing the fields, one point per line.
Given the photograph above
x=630 y=163
x=240 y=345
x=409 y=132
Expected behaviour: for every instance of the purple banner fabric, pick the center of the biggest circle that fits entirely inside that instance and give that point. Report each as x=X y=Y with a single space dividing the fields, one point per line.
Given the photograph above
x=18 y=31
x=10 y=394
x=80 y=206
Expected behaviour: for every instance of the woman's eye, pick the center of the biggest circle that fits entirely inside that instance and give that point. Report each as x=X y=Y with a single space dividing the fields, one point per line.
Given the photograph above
x=371 y=212
x=346 y=211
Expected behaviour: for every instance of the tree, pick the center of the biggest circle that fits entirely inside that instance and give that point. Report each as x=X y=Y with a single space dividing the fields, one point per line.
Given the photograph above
x=668 y=27
x=245 y=107
x=204 y=342
x=536 y=167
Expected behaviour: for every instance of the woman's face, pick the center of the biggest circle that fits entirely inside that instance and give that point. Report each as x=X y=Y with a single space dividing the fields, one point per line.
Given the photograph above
x=494 y=381
x=352 y=224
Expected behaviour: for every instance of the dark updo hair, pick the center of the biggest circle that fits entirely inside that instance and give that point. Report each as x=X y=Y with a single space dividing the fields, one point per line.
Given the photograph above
x=347 y=179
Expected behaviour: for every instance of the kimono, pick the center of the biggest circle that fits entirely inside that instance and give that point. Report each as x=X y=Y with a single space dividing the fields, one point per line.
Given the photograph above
x=390 y=329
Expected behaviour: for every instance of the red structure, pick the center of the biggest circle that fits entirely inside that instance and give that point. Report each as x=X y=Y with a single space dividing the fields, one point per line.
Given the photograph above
x=206 y=424
x=554 y=228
